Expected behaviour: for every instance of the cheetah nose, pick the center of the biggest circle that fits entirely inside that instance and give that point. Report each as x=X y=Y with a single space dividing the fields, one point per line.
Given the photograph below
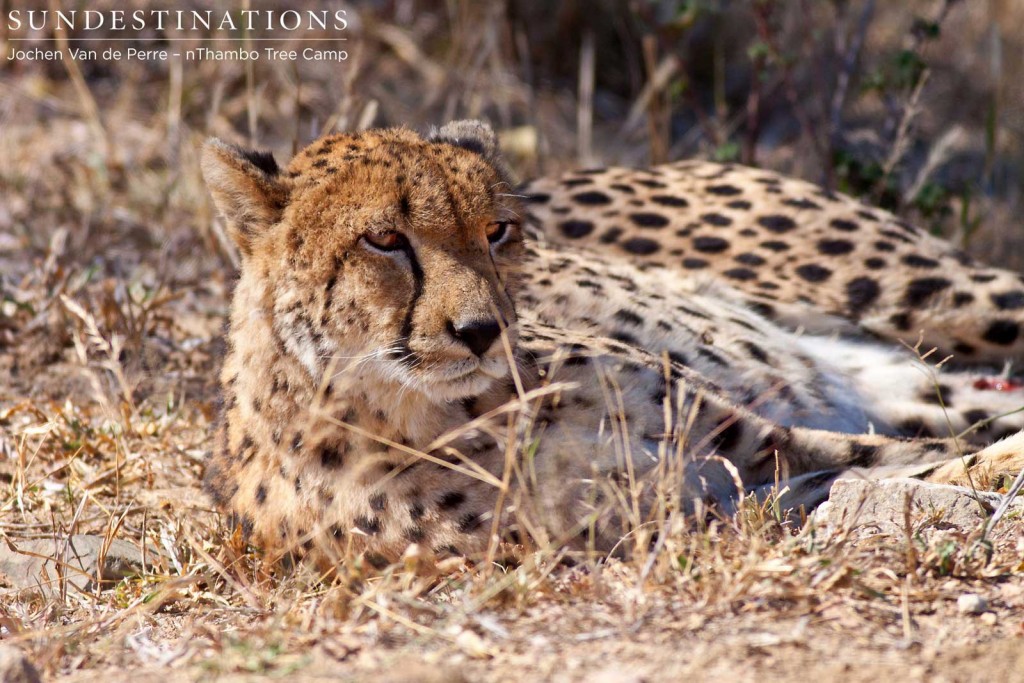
x=477 y=335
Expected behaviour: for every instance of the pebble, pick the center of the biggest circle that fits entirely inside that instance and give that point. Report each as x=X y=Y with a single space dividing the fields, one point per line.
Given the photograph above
x=15 y=667
x=971 y=603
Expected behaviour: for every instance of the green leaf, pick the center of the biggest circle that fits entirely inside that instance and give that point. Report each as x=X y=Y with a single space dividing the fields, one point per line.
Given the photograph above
x=727 y=151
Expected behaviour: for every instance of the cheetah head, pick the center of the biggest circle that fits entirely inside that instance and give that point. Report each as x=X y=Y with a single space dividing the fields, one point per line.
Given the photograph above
x=382 y=254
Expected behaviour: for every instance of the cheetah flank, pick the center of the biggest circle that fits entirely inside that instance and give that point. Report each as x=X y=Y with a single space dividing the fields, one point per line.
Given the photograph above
x=420 y=354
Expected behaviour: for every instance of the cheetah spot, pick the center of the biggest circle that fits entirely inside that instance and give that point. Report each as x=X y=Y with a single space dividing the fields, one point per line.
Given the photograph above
x=813 y=272
x=975 y=416
x=741 y=274
x=775 y=245
x=940 y=395
x=470 y=522
x=863 y=455
x=757 y=353
x=376 y=560
x=803 y=204
x=1008 y=301
x=961 y=299
x=368 y=525
x=834 y=247
x=914 y=427
x=1002 y=332
x=716 y=219
x=331 y=456
x=750 y=260
x=452 y=500
x=628 y=317
x=921 y=290
x=641 y=246
x=901 y=321
x=592 y=198
x=709 y=245
x=610 y=235
x=916 y=261
x=964 y=348
x=651 y=221
x=777 y=223
x=844 y=225
x=668 y=200
x=576 y=229
x=729 y=434
x=861 y=292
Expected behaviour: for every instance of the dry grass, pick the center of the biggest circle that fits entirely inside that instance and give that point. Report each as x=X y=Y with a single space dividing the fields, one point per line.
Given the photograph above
x=114 y=279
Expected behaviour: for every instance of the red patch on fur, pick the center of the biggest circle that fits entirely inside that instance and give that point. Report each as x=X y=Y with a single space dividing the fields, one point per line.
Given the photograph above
x=998 y=384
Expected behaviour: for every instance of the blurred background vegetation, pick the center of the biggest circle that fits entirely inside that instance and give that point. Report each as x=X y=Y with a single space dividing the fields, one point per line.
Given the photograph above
x=115 y=279
x=916 y=106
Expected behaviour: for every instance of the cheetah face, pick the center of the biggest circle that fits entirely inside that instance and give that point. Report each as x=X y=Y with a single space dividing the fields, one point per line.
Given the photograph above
x=381 y=257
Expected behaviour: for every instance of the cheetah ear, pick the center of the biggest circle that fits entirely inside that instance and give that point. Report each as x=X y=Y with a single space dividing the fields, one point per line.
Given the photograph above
x=247 y=188
x=476 y=136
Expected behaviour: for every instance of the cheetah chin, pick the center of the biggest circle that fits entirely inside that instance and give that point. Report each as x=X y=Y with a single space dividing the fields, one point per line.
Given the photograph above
x=456 y=380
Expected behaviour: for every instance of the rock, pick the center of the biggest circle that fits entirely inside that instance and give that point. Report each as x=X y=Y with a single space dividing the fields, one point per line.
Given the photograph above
x=879 y=505
x=418 y=672
x=15 y=667
x=38 y=564
x=971 y=603
x=617 y=674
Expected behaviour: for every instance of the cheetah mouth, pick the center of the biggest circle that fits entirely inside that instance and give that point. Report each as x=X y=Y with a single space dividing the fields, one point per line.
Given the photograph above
x=462 y=378
x=492 y=368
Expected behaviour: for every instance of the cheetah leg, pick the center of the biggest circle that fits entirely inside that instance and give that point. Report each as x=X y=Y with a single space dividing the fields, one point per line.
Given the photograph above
x=1002 y=459
x=806 y=461
x=979 y=470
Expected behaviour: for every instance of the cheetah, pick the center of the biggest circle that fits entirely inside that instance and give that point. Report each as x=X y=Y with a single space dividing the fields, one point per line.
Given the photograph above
x=422 y=355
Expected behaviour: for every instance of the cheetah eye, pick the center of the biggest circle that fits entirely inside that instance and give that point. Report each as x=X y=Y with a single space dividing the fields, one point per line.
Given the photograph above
x=386 y=241
x=497 y=231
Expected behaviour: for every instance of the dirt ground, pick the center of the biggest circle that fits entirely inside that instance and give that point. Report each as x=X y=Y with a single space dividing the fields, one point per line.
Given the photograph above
x=114 y=282
x=669 y=642
x=738 y=658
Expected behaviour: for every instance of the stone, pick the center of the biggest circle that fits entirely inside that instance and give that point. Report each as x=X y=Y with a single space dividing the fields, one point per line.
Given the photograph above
x=418 y=672
x=15 y=667
x=617 y=674
x=879 y=505
x=971 y=603
x=37 y=565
